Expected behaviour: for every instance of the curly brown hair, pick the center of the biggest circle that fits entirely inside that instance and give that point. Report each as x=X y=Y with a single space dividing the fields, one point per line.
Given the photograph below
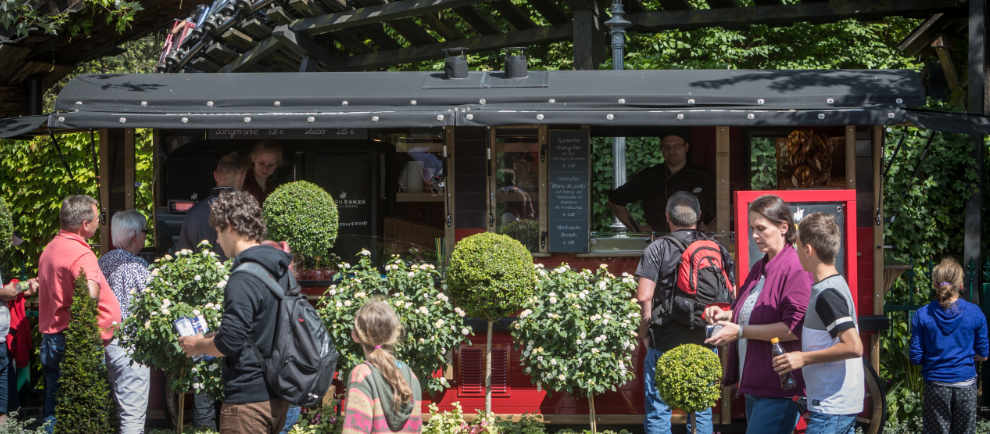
x=238 y=210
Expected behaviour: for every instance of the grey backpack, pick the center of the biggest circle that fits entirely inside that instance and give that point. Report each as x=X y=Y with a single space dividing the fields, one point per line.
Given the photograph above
x=303 y=359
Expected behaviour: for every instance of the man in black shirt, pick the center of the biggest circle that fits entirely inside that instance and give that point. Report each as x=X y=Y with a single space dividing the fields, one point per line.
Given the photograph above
x=229 y=176
x=654 y=185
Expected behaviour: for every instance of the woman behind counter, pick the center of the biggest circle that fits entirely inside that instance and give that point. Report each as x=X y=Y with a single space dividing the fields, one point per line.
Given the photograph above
x=265 y=159
x=771 y=303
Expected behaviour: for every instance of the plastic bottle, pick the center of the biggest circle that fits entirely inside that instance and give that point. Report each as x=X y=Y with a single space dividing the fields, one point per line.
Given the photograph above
x=786 y=380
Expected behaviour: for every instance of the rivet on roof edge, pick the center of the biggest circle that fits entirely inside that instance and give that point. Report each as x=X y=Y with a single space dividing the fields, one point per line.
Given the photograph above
x=761 y=101
x=439 y=117
x=750 y=116
x=247 y=119
x=621 y=101
x=552 y=100
x=412 y=102
x=61 y=118
x=277 y=103
x=821 y=116
x=690 y=100
x=123 y=120
x=470 y=116
x=680 y=116
x=144 y=103
x=890 y=115
x=184 y=120
x=345 y=102
x=610 y=116
x=482 y=101
x=375 y=118
x=78 y=102
x=539 y=116
x=311 y=119
x=899 y=100
x=209 y=103
x=829 y=100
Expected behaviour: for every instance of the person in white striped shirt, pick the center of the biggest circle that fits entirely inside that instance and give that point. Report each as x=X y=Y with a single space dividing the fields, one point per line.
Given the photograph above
x=831 y=350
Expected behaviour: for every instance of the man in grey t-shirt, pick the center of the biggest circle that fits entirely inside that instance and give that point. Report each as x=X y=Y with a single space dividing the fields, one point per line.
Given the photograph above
x=831 y=350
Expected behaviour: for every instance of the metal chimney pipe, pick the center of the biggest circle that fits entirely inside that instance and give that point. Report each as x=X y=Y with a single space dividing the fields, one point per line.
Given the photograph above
x=515 y=62
x=454 y=64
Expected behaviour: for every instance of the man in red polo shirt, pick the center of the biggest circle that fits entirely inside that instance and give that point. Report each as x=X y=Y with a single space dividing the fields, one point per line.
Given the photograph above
x=63 y=259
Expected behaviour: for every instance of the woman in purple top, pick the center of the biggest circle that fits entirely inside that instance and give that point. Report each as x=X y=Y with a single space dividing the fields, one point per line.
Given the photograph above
x=770 y=303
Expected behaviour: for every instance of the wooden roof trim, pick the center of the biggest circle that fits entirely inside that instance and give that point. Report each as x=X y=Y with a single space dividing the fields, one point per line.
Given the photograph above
x=550 y=11
x=427 y=52
x=335 y=22
x=783 y=15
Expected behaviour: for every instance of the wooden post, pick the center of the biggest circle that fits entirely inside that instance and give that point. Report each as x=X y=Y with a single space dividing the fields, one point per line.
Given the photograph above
x=878 y=256
x=585 y=30
x=851 y=157
x=129 y=168
x=722 y=198
x=448 y=224
x=104 y=182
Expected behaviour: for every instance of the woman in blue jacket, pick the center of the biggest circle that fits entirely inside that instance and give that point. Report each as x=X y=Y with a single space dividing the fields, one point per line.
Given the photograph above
x=948 y=337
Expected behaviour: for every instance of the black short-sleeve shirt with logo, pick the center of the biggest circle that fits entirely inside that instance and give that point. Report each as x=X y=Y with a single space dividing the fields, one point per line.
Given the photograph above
x=654 y=185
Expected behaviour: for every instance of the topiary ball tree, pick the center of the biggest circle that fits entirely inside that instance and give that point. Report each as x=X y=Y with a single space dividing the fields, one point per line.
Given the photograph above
x=304 y=215
x=491 y=276
x=84 y=402
x=6 y=226
x=688 y=377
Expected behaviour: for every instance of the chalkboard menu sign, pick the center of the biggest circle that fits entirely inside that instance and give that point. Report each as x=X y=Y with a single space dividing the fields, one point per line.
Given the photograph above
x=287 y=133
x=568 y=175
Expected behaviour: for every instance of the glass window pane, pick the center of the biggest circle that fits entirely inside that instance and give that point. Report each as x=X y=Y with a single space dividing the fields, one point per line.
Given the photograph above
x=517 y=185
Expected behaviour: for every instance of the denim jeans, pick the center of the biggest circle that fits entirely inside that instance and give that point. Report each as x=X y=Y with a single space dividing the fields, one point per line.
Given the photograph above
x=820 y=423
x=130 y=384
x=291 y=417
x=5 y=385
x=657 y=412
x=204 y=411
x=771 y=415
x=52 y=353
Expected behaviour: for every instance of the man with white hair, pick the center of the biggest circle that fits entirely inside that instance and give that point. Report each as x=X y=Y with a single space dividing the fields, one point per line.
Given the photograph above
x=127 y=274
x=65 y=257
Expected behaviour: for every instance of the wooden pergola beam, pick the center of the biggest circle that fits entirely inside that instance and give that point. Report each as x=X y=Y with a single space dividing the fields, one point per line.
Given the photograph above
x=414 y=33
x=517 y=18
x=550 y=11
x=483 y=43
x=445 y=28
x=477 y=21
x=782 y=15
x=674 y=5
x=254 y=55
x=338 y=21
x=720 y=4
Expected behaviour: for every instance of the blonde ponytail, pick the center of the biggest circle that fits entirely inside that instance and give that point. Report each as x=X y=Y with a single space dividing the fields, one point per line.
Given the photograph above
x=947 y=278
x=377 y=329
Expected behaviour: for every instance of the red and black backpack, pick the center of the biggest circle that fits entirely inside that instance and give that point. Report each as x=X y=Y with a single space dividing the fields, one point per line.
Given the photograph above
x=700 y=280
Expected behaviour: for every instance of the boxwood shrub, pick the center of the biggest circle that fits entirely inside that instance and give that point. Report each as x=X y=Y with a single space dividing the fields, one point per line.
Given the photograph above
x=688 y=377
x=84 y=402
x=303 y=214
x=490 y=275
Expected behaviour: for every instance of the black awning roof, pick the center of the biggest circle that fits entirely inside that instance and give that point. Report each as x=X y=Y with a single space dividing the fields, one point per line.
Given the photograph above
x=963 y=123
x=411 y=99
x=18 y=126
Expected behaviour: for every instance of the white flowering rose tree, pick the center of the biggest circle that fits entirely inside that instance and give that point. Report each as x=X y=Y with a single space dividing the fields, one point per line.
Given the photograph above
x=432 y=325
x=189 y=284
x=578 y=333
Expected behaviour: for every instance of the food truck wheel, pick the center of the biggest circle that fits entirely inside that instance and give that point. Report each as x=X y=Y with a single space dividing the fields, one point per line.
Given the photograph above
x=874 y=414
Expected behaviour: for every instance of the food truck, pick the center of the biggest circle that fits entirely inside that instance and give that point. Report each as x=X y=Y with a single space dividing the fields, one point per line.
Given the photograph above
x=422 y=159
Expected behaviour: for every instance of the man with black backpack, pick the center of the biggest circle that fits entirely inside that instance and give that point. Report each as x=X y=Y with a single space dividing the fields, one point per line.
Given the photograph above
x=679 y=275
x=263 y=317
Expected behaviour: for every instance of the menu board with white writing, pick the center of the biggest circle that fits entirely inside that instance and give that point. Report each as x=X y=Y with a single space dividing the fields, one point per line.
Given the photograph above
x=569 y=174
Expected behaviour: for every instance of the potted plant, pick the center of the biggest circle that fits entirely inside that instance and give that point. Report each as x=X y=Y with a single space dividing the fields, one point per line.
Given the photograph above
x=304 y=215
x=491 y=276
x=189 y=284
x=432 y=325
x=578 y=332
x=688 y=377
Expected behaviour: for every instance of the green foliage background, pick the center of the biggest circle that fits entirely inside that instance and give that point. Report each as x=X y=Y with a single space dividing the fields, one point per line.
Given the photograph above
x=84 y=402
